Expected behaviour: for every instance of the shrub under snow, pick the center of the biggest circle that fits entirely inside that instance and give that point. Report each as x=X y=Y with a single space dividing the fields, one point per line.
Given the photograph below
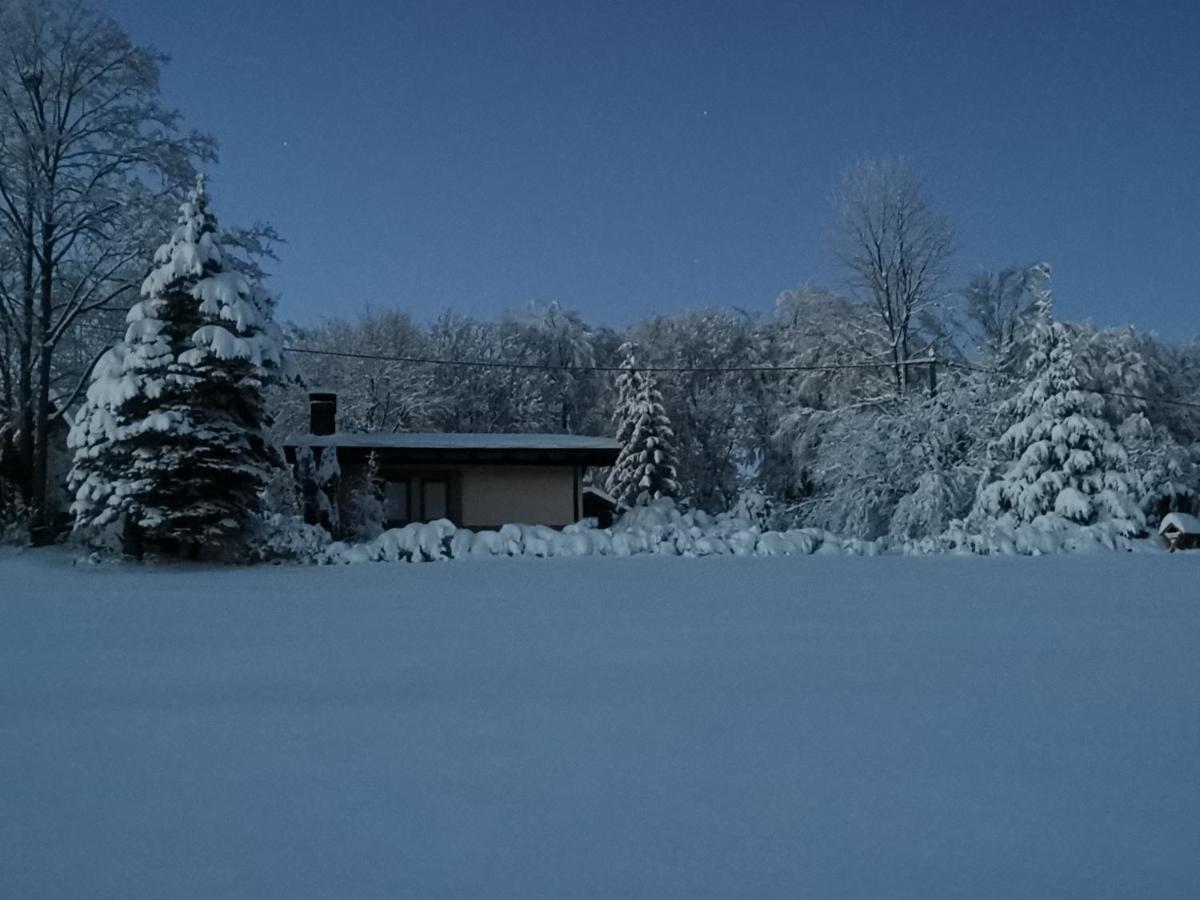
x=663 y=529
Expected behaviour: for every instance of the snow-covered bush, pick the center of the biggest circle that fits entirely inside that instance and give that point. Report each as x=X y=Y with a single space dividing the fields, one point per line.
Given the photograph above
x=658 y=528
x=280 y=536
x=755 y=507
x=415 y=542
x=281 y=533
x=901 y=468
x=661 y=528
x=365 y=513
x=14 y=528
x=1165 y=475
x=1046 y=535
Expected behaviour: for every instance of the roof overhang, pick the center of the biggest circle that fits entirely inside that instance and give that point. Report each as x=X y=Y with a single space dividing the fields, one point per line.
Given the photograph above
x=466 y=449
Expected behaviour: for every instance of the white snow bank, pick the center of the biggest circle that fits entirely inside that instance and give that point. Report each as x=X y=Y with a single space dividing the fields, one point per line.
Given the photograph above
x=1045 y=535
x=662 y=529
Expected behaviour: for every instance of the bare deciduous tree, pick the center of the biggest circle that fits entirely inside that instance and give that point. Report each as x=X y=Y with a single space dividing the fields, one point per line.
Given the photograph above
x=1001 y=306
x=896 y=249
x=89 y=157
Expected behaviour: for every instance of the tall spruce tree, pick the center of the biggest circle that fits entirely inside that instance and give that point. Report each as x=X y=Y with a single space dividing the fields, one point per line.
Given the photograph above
x=1063 y=456
x=171 y=437
x=645 y=467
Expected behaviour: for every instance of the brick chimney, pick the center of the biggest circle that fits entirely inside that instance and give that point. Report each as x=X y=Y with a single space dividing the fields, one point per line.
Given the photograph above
x=322 y=412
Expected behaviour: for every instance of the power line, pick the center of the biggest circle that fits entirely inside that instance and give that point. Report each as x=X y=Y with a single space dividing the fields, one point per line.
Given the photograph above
x=1119 y=394
x=1147 y=399
x=965 y=366
x=708 y=370
x=550 y=367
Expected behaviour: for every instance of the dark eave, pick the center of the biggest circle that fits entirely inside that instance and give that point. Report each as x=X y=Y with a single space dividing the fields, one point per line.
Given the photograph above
x=465 y=449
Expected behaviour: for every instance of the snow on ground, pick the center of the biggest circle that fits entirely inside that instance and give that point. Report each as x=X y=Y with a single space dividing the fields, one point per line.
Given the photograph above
x=641 y=727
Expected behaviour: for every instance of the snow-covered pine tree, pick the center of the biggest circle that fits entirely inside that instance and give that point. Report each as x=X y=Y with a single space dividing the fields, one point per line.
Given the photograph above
x=1062 y=456
x=171 y=437
x=645 y=467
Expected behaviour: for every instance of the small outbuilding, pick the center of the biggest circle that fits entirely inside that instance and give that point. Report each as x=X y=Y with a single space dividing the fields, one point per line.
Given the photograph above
x=1181 y=531
x=477 y=481
x=598 y=504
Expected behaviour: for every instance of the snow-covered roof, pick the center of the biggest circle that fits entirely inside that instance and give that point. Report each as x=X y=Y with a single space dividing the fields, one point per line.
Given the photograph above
x=1182 y=522
x=437 y=441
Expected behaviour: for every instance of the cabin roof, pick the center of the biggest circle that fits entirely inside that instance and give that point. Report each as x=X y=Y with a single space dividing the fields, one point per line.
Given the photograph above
x=1181 y=522
x=558 y=449
x=452 y=441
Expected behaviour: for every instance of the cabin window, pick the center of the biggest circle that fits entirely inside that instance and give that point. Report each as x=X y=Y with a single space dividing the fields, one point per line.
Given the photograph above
x=435 y=496
x=395 y=501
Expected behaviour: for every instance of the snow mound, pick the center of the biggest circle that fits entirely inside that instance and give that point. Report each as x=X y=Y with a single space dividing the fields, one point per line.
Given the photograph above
x=658 y=529
x=662 y=529
x=1046 y=535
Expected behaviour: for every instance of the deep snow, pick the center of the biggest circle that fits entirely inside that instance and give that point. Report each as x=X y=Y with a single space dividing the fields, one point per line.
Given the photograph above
x=651 y=727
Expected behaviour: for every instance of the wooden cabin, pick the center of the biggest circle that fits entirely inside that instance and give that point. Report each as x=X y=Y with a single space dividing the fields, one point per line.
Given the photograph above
x=477 y=481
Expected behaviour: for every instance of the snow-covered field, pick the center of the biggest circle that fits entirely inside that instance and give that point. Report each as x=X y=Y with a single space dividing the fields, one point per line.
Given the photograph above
x=647 y=727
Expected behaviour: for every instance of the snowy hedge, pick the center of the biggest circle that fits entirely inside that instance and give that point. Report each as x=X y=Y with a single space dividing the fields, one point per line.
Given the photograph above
x=662 y=529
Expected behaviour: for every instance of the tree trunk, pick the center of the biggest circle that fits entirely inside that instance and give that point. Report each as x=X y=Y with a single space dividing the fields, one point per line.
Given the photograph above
x=42 y=527
x=25 y=361
x=133 y=541
x=6 y=374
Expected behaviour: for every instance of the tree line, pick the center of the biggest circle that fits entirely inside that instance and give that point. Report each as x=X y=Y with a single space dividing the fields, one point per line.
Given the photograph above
x=892 y=405
x=810 y=405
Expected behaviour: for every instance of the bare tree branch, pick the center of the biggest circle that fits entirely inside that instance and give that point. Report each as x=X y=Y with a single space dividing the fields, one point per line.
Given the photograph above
x=895 y=249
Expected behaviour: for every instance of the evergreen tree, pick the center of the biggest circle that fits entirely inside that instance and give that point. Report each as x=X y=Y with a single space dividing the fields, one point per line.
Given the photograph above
x=645 y=467
x=171 y=435
x=1063 y=457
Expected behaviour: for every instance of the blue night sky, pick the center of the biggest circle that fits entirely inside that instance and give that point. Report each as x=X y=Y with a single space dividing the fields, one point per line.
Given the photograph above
x=628 y=158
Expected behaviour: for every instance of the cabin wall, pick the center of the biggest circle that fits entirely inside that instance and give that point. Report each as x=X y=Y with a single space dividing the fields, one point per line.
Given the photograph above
x=486 y=496
x=534 y=495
